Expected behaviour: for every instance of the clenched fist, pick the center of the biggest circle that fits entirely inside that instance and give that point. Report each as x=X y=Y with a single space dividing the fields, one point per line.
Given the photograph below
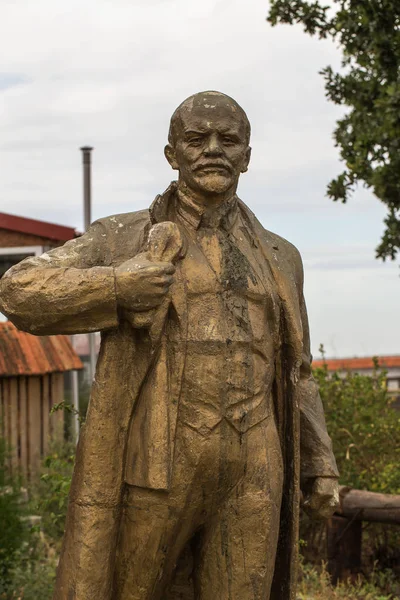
x=321 y=497
x=142 y=284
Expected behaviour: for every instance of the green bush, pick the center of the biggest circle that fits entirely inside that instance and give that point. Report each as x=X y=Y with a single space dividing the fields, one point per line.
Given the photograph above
x=315 y=585
x=50 y=499
x=34 y=570
x=12 y=530
x=364 y=428
x=31 y=573
x=365 y=432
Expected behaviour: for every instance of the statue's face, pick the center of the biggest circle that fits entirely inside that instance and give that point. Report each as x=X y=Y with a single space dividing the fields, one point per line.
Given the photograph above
x=211 y=149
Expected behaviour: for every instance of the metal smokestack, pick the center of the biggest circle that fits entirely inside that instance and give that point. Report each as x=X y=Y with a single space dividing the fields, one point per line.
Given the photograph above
x=87 y=213
x=87 y=185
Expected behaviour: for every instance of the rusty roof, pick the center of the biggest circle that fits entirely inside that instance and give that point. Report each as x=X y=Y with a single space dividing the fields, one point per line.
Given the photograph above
x=358 y=364
x=25 y=354
x=43 y=229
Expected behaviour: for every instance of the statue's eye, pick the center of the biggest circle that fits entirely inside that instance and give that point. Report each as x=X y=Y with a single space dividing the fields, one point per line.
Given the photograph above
x=195 y=141
x=228 y=141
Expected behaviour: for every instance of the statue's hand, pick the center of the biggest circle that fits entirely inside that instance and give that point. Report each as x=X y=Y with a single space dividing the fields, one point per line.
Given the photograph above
x=141 y=284
x=322 y=497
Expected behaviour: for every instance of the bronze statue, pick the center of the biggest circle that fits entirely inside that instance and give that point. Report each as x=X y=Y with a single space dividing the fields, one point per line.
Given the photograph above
x=204 y=421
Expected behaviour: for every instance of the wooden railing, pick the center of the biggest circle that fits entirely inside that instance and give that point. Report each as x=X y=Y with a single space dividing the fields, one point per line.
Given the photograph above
x=344 y=531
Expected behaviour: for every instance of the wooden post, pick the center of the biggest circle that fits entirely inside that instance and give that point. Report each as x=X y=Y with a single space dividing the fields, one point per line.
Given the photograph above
x=57 y=394
x=6 y=417
x=13 y=416
x=343 y=548
x=45 y=414
x=23 y=427
x=35 y=425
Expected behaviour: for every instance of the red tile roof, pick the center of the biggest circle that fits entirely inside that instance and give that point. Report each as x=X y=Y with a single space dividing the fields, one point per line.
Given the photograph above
x=354 y=364
x=42 y=229
x=25 y=354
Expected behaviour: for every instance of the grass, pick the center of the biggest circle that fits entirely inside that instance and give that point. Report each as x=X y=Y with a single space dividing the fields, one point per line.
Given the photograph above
x=315 y=585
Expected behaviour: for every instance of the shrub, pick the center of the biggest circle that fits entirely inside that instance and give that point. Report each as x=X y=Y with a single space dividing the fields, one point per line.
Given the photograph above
x=365 y=432
x=315 y=585
x=12 y=530
x=34 y=571
x=364 y=428
x=51 y=496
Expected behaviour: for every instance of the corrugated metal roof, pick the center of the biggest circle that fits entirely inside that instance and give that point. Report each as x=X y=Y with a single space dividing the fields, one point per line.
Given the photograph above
x=43 y=229
x=25 y=354
x=358 y=364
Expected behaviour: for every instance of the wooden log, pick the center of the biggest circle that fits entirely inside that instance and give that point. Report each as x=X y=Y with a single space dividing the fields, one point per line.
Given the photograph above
x=361 y=505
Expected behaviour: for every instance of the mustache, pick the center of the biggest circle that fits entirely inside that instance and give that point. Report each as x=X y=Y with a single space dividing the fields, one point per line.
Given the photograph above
x=210 y=165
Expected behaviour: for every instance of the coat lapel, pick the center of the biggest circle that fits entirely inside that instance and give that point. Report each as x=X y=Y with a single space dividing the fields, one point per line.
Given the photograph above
x=284 y=278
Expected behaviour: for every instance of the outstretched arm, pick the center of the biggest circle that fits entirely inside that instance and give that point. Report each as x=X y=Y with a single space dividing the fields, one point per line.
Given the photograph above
x=66 y=290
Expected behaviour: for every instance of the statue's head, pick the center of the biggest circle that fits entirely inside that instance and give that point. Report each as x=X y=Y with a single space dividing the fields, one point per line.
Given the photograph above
x=209 y=143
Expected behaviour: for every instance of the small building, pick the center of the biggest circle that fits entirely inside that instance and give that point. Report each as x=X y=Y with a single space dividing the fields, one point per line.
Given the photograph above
x=31 y=382
x=21 y=237
x=365 y=366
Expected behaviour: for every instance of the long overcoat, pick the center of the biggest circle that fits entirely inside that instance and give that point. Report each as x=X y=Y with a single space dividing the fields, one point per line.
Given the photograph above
x=70 y=290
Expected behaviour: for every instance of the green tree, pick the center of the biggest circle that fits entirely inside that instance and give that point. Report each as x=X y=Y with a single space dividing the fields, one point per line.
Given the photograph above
x=368 y=136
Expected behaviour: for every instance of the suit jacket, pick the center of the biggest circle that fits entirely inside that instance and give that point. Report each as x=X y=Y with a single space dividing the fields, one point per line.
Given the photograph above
x=71 y=290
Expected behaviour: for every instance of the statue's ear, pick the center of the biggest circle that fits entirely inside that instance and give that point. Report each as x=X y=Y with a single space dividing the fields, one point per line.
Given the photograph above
x=170 y=155
x=246 y=160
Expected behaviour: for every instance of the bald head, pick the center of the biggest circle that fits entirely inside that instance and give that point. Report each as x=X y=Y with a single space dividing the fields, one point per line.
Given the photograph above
x=212 y=103
x=209 y=145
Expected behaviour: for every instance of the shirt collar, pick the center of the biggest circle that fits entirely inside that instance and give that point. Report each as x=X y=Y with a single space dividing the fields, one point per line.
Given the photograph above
x=197 y=215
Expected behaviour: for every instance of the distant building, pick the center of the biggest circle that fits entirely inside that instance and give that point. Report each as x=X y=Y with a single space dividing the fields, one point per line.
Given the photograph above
x=365 y=366
x=32 y=372
x=21 y=237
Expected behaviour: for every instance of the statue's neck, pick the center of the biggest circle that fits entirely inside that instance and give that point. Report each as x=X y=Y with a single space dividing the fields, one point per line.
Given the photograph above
x=206 y=200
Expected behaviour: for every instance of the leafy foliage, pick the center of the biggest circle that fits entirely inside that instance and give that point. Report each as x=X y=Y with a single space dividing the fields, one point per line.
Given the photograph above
x=365 y=432
x=53 y=490
x=34 y=571
x=368 y=33
x=12 y=531
x=365 y=429
x=31 y=562
x=315 y=585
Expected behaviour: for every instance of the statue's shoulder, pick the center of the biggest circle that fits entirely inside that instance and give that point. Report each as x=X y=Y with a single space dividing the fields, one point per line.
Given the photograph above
x=287 y=248
x=274 y=243
x=121 y=236
x=123 y=222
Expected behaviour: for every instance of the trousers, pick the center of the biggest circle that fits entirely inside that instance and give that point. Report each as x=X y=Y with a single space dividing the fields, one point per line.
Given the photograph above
x=224 y=500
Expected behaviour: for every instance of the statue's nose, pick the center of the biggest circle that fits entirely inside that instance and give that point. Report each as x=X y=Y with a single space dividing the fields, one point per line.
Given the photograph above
x=213 y=147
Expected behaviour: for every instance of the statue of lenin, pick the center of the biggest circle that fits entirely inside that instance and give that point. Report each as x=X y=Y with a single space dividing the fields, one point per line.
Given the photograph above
x=204 y=421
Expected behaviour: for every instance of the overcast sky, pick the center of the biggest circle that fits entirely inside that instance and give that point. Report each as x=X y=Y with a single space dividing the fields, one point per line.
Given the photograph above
x=109 y=73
